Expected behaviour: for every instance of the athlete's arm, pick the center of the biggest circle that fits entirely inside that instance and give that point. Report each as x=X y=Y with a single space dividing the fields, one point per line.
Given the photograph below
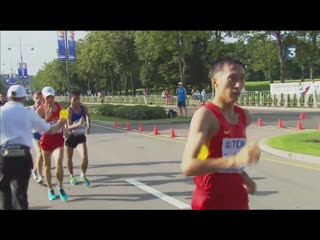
x=42 y=126
x=75 y=125
x=202 y=127
x=248 y=117
x=88 y=119
x=250 y=184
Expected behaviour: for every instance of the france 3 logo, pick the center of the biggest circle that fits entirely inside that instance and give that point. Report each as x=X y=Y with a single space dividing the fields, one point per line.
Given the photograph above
x=291 y=52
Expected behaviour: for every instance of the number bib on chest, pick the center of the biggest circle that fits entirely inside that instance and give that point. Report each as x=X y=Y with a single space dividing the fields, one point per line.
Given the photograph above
x=80 y=130
x=231 y=146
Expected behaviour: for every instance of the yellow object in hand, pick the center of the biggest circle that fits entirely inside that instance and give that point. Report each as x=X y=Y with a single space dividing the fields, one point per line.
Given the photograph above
x=64 y=114
x=204 y=152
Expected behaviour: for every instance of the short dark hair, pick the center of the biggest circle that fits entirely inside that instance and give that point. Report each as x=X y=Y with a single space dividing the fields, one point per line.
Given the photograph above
x=75 y=93
x=37 y=93
x=227 y=60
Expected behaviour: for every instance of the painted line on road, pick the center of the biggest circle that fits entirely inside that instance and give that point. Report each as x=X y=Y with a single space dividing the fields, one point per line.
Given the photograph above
x=292 y=164
x=157 y=137
x=161 y=195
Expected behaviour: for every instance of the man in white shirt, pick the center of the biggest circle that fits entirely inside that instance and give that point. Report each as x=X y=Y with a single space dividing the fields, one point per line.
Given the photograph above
x=16 y=124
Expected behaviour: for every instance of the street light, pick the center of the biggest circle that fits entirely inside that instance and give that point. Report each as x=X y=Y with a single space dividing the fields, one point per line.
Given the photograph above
x=0 y=60
x=21 y=58
x=67 y=62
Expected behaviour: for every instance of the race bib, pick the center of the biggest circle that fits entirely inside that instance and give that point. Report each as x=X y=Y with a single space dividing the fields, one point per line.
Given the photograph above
x=54 y=123
x=80 y=130
x=231 y=146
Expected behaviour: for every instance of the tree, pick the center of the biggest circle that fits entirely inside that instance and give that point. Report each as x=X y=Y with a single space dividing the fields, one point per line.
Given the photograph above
x=263 y=55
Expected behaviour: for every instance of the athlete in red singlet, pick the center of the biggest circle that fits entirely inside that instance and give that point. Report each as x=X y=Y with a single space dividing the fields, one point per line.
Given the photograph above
x=220 y=180
x=50 y=111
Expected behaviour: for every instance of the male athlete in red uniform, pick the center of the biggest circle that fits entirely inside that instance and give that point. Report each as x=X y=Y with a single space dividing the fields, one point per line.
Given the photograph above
x=220 y=181
x=50 y=111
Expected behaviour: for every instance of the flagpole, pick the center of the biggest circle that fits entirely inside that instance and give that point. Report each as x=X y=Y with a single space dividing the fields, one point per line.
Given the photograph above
x=0 y=59
x=67 y=62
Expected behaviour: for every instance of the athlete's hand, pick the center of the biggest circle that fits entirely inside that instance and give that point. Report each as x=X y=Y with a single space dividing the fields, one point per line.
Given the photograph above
x=248 y=155
x=251 y=186
x=66 y=133
x=79 y=123
x=62 y=122
x=88 y=130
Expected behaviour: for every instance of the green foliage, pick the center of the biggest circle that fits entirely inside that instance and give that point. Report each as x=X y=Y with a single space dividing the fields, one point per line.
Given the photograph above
x=120 y=62
x=129 y=112
x=28 y=103
x=64 y=104
x=304 y=143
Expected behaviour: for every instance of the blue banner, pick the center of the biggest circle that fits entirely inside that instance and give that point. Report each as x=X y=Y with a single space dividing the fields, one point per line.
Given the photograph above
x=11 y=81
x=25 y=71
x=72 y=46
x=22 y=71
x=61 y=46
x=19 y=71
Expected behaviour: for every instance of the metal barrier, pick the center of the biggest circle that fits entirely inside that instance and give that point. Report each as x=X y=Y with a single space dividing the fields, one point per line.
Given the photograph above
x=247 y=98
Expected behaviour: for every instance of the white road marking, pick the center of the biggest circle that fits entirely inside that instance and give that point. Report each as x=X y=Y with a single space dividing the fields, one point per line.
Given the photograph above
x=162 y=196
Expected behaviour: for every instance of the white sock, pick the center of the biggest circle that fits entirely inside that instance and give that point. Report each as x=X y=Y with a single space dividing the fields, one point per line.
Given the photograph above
x=82 y=174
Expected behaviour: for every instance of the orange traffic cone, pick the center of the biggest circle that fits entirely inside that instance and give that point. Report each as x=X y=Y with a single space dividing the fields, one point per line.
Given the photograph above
x=302 y=115
x=280 y=125
x=259 y=123
x=128 y=126
x=173 y=134
x=141 y=129
x=156 y=130
x=116 y=124
x=299 y=125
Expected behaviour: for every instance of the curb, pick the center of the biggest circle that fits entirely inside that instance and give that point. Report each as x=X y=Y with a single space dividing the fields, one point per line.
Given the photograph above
x=288 y=109
x=294 y=156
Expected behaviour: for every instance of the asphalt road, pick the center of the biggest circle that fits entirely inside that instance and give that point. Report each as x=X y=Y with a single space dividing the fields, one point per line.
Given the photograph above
x=131 y=170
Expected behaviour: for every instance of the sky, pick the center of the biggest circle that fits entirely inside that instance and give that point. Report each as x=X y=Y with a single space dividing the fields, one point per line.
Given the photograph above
x=44 y=44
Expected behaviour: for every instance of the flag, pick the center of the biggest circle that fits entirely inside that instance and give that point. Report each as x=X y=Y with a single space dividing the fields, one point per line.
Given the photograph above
x=72 y=46
x=61 y=46
x=25 y=70
x=22 y=71
x=11 y=81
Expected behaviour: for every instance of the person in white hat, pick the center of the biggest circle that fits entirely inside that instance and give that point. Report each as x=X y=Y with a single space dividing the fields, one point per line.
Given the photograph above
x=16 y=163
x=38 y=163
x=50 y=111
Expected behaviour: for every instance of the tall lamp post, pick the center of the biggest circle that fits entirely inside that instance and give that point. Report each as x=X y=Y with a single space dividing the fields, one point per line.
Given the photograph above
x=0 y=60
x=67 y=62
x=21 y=59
